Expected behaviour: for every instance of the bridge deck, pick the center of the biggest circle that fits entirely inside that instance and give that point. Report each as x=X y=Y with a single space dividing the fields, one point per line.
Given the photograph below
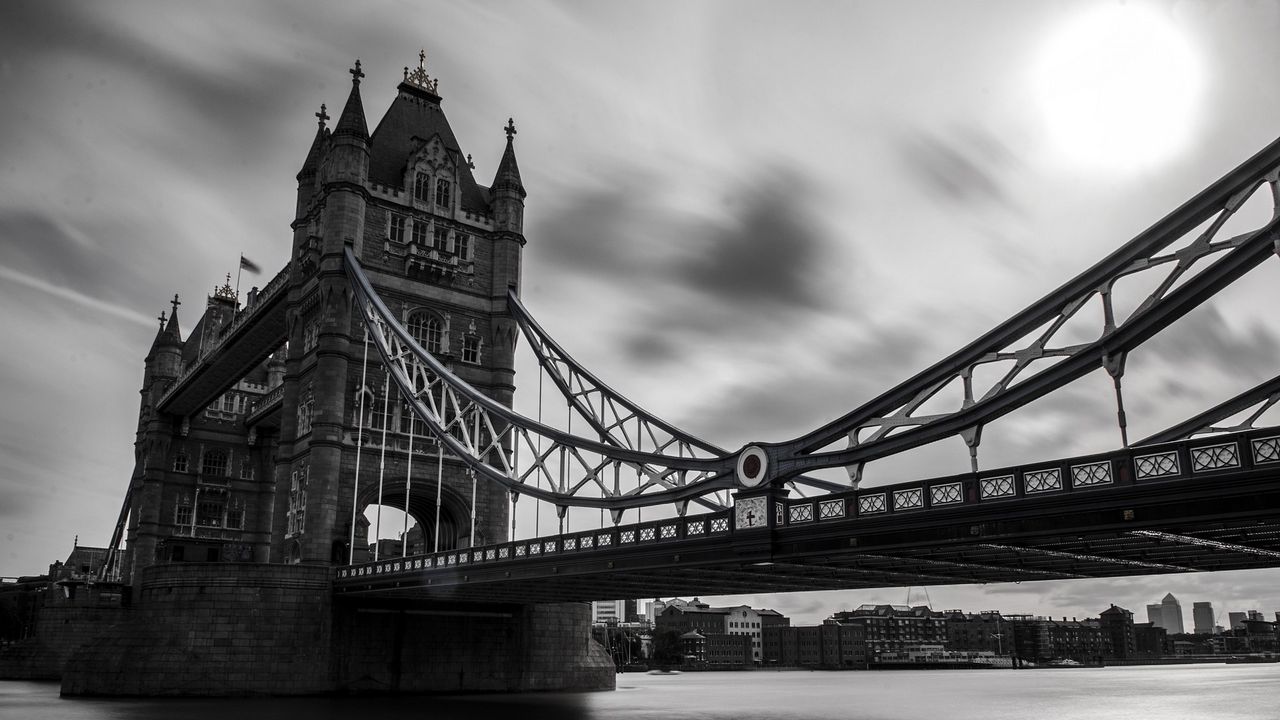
x=255 y=333
x=1200 y=505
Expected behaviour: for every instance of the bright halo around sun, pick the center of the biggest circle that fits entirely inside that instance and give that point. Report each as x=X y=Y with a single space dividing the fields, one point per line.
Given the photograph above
x=1119 y=87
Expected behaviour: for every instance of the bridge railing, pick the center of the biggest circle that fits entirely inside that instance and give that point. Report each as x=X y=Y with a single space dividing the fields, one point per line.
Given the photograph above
x=265 y=405
x=1148 y=465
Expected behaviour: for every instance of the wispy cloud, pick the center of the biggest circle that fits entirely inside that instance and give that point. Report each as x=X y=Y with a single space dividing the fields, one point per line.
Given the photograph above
x=85 y=302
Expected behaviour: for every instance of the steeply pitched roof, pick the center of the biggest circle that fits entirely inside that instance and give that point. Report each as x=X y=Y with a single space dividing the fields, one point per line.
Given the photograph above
x=412 y=120
x=508 y=174
x=312 y=163
x=351 y=121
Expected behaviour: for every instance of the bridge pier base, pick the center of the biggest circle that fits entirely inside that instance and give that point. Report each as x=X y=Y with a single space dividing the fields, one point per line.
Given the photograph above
x=225 y=629
x=447 y=647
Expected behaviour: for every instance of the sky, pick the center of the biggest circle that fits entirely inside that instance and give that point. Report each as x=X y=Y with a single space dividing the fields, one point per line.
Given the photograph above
x=750 y=217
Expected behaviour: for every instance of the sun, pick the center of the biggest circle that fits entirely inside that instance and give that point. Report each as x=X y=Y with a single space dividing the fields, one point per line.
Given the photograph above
x=1119 y=87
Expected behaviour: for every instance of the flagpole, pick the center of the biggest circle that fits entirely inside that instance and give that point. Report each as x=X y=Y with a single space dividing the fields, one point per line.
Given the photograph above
x=239 y=269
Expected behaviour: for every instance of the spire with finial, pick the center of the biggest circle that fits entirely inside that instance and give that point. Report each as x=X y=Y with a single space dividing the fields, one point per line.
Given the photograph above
x=508 y=175
x=312 y=163
x=419 y=78
x=351 y=121
x=169 y=332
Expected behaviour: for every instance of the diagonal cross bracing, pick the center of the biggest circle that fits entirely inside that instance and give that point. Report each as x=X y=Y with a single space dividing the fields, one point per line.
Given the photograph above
x=1016 y=549
x=617 y=419
x=1206 y=543
x=1262 y=397
x=482 y=432
x=867 y=428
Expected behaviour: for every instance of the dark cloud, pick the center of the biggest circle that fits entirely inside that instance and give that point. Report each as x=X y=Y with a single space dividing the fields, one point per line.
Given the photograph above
x=707 y=281
x=799 y=397
x=768 y=257
x=652 y=347
x=1207 y=336
x=963 y=167
x=591 y=233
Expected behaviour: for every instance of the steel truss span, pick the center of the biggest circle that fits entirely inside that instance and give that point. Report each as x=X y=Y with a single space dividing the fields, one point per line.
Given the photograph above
x=1182 y=256
x=566 y=470
x=1196 y=505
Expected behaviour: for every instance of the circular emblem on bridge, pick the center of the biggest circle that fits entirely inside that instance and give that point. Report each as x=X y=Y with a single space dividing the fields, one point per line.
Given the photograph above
x=753 y=463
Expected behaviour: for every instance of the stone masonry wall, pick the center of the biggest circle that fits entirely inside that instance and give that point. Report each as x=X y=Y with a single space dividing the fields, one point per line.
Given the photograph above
x=476 y=648
x=62 y=625
x=214 y=629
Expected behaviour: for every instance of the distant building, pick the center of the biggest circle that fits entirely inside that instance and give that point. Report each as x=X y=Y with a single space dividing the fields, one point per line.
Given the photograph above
x=1040 y=639
x=1167 y=615
x=742 y=620
x=1202 y=614
x=1155 y=614
x=1236 y=620
x=608 y=612
x=985 y=631
x=716 y=650
x=1172 y=615
x=889 y=628
x=1149 y=640
x=1117 y=623
x=386 y=548
x=739 y=621
x=828 y=646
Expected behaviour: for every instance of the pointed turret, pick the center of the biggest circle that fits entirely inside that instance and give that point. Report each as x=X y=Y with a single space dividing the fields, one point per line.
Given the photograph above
x=508 y=191
x=168 y=340
x=508 y=175
x=351 y=121
x=307 y=175
x=172 y=329
x=312 y=163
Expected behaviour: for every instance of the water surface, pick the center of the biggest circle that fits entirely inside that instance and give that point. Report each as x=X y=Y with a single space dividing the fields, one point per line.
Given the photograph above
x=1177 y=692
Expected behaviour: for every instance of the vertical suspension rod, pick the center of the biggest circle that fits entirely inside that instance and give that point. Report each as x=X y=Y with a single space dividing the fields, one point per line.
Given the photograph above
x=382 y=458
x=435 y=545
x=408 y=485
x=475 y=443
x=355 y=484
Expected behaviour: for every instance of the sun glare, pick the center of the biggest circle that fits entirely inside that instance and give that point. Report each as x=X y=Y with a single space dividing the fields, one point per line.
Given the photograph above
x=1119 y=87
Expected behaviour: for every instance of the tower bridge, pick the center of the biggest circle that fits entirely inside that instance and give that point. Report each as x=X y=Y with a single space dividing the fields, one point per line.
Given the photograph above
x=378 y=368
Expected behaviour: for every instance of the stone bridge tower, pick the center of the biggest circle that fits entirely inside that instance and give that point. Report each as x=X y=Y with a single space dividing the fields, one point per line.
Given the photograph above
x=265 y=433
x=442 y=250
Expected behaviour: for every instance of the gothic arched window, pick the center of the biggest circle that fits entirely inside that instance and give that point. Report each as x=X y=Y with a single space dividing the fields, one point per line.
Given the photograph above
x=426 y=329
x=214 y=463
x=442 y=192
x=421 y=187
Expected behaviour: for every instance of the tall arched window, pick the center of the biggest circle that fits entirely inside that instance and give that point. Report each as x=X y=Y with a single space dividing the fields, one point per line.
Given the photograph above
x=426 y=329
x=422 y=187
x=214 y=463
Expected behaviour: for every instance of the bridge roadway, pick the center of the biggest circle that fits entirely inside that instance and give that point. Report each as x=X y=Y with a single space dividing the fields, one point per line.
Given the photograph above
x=229 y=353
x=1211 y=503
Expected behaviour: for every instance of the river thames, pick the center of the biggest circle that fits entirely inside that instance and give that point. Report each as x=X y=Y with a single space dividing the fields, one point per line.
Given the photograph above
x=1177 y=692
